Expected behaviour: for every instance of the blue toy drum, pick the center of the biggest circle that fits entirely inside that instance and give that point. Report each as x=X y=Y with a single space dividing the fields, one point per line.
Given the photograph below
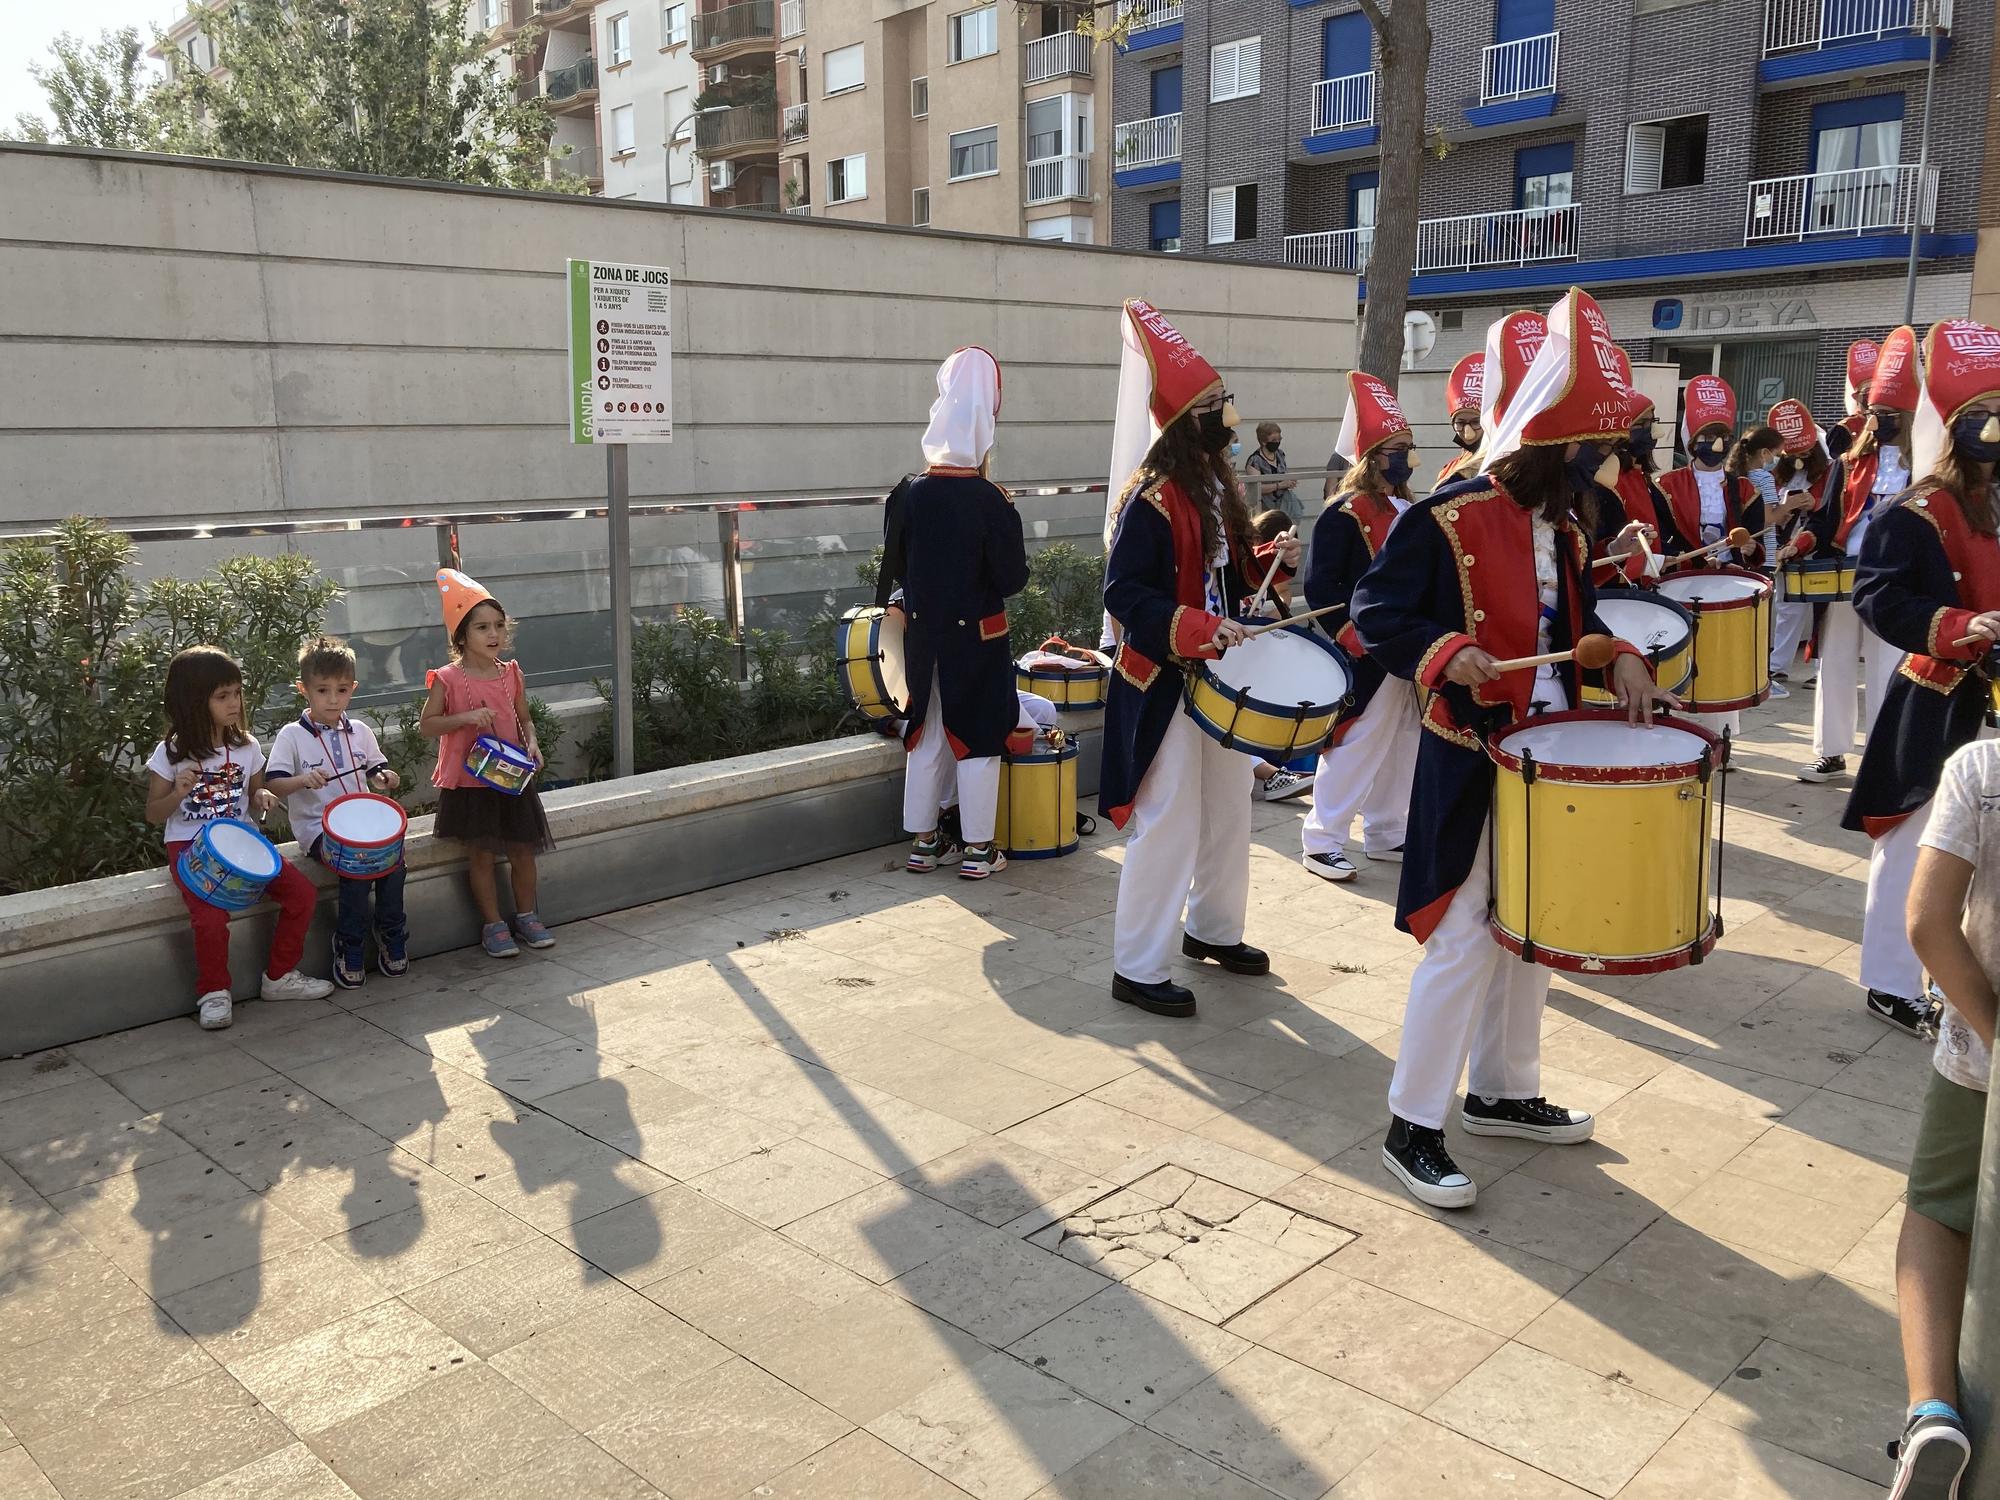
x=496 y=763
x=362 y=836
x=228 y=864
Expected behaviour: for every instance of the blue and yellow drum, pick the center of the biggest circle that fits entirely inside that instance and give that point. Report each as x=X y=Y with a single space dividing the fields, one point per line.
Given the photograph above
x=1037 y=815
x=1274 y=695
x=1073 y=679
x=871 y=662
x=1818 y=580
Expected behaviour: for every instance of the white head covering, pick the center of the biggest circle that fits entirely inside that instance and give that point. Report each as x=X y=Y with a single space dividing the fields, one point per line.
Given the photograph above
x=1133 y=430
x=960 y=434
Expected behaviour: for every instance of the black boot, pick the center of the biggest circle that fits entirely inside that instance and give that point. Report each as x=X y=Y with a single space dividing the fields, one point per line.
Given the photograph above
x=1163 y=999
x=1237 y=958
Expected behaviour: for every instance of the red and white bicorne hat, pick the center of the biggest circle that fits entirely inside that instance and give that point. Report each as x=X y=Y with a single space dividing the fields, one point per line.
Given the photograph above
x=1463 y=386
x=1794 y=423
x=1709 y=403
x=1579 y=388
x=1862 y=356
x=1511 y=346
x=1160 y=378
x=1898 y=380
x=1373 y=416
x=1961 y=369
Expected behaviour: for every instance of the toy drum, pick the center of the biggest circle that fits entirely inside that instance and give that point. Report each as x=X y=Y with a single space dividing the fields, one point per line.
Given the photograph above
x=362 y=835
x=228 y=864
x=1601 y=847
x=1274 y=695
x=871 y=662
x=1073 y=679
x=1658 y=627
x=1732 y=637
x=499 y=764
x=1818 y=580
x=1037 y=814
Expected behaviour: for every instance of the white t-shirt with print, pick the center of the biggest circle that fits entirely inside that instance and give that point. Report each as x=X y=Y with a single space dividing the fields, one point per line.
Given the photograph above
x=1965 y=822
x=342 y=755
x=221 y=791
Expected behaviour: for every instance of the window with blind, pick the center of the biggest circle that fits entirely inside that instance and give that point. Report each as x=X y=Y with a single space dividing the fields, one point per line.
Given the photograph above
x=1235 y=69
x=842 y=69
x=1666 y=154
x=673 y=25
x=974 y=33
x=846 y=179
x=975 y=153
x=1232 y=213
x=618 y=39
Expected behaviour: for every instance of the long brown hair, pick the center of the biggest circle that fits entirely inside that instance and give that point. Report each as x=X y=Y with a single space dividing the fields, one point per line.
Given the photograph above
x=1180 y=454
x=1756 y=440
x=1538 y=475
x=1955 y=472
x=1366 y=478
x=193 y=677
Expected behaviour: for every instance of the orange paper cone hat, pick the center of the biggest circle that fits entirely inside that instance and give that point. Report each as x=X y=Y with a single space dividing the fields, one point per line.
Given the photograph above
x=461 y=596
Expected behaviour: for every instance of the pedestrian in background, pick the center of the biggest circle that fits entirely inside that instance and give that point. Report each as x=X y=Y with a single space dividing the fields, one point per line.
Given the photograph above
x=1270 y=459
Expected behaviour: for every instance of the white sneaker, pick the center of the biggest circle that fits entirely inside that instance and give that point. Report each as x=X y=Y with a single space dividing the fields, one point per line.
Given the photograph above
x=215 y=1010
x=295 y=986
x=1779 y=690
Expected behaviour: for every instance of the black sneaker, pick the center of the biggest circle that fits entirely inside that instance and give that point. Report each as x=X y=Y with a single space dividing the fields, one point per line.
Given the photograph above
x=1917 y=1017
x=1530 y=1119
x=1416 y=1156
x=1931 y=1458
x=1825 y=768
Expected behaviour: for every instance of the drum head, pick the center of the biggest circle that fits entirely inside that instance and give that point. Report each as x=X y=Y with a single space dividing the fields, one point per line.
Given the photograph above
x=1285 y=667
x=1608 y=742
x=1713 y=588
x=1655 y=627
x=243 y=849
x=895 y=675
x=364 y=820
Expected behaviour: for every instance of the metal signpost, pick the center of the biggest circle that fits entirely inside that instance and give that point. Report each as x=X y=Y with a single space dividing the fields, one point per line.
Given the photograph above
x=621 y=391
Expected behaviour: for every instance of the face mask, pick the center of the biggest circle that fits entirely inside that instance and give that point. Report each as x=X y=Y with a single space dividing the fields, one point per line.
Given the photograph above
x=1887 y=425
x=1589 y=466
x=1467 y=438
x=1642 y=441
x=1707 y=451
x=1235 y=450
x=1216 y=432
x=1396 y=469
x=1977 y=438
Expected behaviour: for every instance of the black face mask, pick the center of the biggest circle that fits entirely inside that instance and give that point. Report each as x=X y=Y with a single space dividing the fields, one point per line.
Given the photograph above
x=1583 y=468
x=1707 y=451
x=1642 y=442
x=1888 y=425
x=1467 y=438
x=1396 y=468
x=1965 y=437
x=1214 y=436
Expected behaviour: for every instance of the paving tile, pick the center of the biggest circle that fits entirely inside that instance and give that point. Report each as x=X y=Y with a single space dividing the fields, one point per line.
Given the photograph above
x=1434 y=1460
x=1825 y=1410
x=1674 y=1353
x=756 y=1293
x=884 y=1231
x=434 y=1237
x=1872 y=1263
x=1849 y=1323
x=186 y=1251
x=1492 y=1286
x=651 y=1238
x=47 y=1298
x=85 y=1370
x=996 y=1287
x=59 y=1114
x=1648 y=1148
x=535 y=1072
x=38 y=1072
x=329 y=1034
x=1775 y=1220
x=1719 y=1463
x=1000 y=1430
x=996 y=1180
x=21 y=1478
x=295 y=1473
x=1178 y=1096
x=444 y=1439
x=668 y=1127
x=718 y=1434
x=1260 y=1062
x=594 y=1368
x=163 y=1444
x=1219 y=1273
x=263 y=1306
x=986 y=1095
x=860 y=1464
x=1142 y=1463
x=514 y=1295
x=576 y=1469
x=1293 y=1430
x=787 y=1182
x=1286 y=1132
x=149 y=1198
x=547 y=1172
x=1800 y=1163
x=141 y=1045
x=337 y=1197
x=32 y=1231
x=1574 y=1229
x=863 y=1356
x=154 y=1086
x=1591 y=1431
x=1091 y=1136
x=339 y=1371
x=1681 y=1266
x=1128 y=1352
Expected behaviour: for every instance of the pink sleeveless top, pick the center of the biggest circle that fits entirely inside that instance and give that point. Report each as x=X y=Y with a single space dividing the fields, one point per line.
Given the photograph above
x=463 y=693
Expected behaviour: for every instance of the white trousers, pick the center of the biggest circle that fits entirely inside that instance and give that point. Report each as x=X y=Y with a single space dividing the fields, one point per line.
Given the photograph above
x=1888 y=962
x=931 y=774
x=1851 y=656
x=1369 y=772
x=1789 y=624
x=1189 y=845
x=1730 y=723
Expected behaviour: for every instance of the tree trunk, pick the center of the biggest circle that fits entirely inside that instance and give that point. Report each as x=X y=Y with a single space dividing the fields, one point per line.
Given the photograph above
x=1405 y=34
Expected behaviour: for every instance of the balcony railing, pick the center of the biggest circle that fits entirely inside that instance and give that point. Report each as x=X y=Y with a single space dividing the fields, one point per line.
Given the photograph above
x=735 y=128
x=1463 y=242
x=1792 y=25
x=1057 y=178
x=1146 y=14
x=580 y=77
x=1519 y=70
x=791 y=18
x=748 y=22
x=795 y=122
x=802 y=210
x=1147 y=143
x=1867 y=200
x=583 y=161
x=1343 y=103
x=1065 y=54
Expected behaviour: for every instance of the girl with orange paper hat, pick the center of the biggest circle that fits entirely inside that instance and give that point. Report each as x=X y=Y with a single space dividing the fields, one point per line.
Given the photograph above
x=1427 y=614
x=477 y=711
x=1850 y=656
x=1929 y=585
x=1368 y=766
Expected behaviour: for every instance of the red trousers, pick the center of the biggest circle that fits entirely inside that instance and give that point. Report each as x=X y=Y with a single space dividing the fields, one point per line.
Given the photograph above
x=296 y=896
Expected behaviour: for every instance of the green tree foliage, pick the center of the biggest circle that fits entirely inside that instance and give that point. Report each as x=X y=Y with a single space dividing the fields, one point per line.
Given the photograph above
x=97 y=95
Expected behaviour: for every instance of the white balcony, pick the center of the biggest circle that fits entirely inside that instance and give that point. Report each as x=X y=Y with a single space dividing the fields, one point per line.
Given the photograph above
x=794 y=123
x=1867 y=200
x=1146 y=143
x=1058 y=178
x=1519 y=70
x=1146 y=14
x=1065 y=54
x=1343 y=103
x=1463 y=242
x=1796 y=25
x=791 y=18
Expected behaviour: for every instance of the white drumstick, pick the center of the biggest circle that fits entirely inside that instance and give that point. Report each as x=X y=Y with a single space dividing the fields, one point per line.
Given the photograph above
x=1277 y=561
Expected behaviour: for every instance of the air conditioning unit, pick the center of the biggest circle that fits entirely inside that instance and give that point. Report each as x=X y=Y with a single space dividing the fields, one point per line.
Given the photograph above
x=721 y=176
x=718 y=73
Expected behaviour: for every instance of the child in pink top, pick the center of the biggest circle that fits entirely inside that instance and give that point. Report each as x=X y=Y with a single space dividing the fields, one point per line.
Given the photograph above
x=479 y=694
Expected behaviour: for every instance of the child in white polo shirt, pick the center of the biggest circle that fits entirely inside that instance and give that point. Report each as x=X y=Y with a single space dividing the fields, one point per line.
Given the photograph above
x=322 y=755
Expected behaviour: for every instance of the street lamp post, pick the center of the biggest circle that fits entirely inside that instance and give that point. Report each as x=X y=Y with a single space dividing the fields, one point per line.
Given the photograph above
x=1930 y=12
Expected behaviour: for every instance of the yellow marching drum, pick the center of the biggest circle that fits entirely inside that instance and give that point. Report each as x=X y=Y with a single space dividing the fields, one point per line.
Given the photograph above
x=1037 y=816
x=871 y=662
x=1732 y=637
x=1272 y=696
x=1601 y=846
x=1818 y=580
x=1658 y=627
x=1073 y=679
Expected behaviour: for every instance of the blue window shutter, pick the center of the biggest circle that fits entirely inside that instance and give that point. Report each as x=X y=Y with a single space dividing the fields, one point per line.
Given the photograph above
x=1872 y=110
x=1346 y=45
x=1514 y=19
x=1357 y=184
x=1164 y=90
x=1163 y=220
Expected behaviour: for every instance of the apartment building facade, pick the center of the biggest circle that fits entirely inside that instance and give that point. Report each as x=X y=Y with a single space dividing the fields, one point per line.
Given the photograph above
x=953 y=115
x=1736 y=180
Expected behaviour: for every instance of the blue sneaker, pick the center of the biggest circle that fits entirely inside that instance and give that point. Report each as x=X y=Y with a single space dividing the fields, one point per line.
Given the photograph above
x=392 y=955
x=348 y=968
x=529 y=929
x=497 y=941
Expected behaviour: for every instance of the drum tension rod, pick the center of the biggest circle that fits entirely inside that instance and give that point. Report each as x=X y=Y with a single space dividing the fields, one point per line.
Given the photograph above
x=1528 y=848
